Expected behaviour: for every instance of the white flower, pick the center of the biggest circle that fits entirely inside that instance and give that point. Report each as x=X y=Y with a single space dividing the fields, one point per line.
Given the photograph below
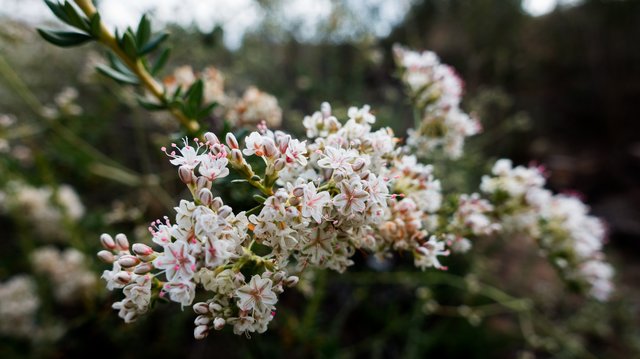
x=336 y=158
x=176 y=260
x=351 y=199
x=427 y=254
x=180 y=292
x=188 y=156
x=361 y=115
x=313 y=202
x=214 y=167
x=257 y=295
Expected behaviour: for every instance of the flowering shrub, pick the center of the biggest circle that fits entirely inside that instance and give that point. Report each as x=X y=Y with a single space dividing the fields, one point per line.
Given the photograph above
x=347 y=187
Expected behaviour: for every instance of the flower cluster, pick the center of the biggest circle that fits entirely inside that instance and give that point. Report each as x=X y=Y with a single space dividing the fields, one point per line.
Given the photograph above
x=18 y=306
x=346 y=187
x=45 y=208
x=249 y=110
x=560 y=224
x=473 y=218
x=67 y=272
x=436 y=91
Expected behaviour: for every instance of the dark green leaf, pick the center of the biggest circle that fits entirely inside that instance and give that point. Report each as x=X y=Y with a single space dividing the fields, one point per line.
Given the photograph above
x=75 y=19
x=95 y=26
x=64 y=38
x=194 y=96
x=129 y=45
x=144 y=31
x=204 y=112
x=259 y=198
x=161 y=61
x=155 y=41
x=56 y=8
x=118 y=65
x=149 y=105
x=116 y=75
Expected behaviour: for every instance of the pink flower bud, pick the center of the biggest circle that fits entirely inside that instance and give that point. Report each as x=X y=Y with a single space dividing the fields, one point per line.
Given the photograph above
x=277 y=277
x=142 y=249
x=291 y=281
x=201 y=308
x=225 y=211
x=205 y=196
x=107 y=241
x=298 y=191
x=216 y=149
x=201 y=183
x=128 y=261
x=358 y=164
x=186 y=174
x=202 y=320
x=236 y=156
x=219 y=323
x=122 y=242
x=201 y=332
x=232 y=142
x=143 y=268
x=270 y=149
x=211 y=138
x=214 y=307
x=279 y=164
x=217 y=203
x=123 y=277
x=106 y=256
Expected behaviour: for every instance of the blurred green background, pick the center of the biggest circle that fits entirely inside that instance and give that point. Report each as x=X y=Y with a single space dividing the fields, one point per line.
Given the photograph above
x=561 y=89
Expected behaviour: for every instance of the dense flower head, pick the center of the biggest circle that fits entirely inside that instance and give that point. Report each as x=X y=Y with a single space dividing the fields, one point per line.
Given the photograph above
x=436 y=92
x=560 y=224
x=67 y=270
x=18 y=306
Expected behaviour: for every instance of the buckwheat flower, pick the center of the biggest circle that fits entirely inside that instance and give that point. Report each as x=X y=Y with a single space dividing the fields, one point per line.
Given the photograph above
x=254 y=144
x=351 y=199
x=296 y=152
x=217 y=251
x=313 y=202
x=139 y=292
x=19 y=303
x=362 y=115
x=68 y=272
x=336 y=158
x=256 y=295
x=214 y=167
x=180 y=292
x=188 y=155
x=176 y=260
x=427 y=254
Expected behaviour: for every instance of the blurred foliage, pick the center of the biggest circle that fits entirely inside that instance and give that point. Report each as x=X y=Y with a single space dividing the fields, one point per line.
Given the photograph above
x=561 y=89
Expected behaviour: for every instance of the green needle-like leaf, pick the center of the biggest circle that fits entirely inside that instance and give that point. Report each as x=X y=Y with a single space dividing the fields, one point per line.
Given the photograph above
x=64 y=38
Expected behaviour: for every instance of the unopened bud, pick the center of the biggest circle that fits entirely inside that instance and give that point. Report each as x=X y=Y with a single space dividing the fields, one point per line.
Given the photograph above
x=205 y=196
x=358 y=164
x=202 y=320
x=186 y=174
x=107 y=241
x=232 y=142
x=278 y=276
x=270 y=149
x=211 y=138
x=106 y=256
x=214 y=307
x=291 y=281
x=217 y=203
x=122 y=242
x=201 y=332
x=225 y=211
x=236 y=156
x=128 y=261
x=142 y=249
x=201 y=183
x=201 y=308
x=219 y=323
x=294 y=201
x=325 y=109
x=338 y=177
x=279 y=164
x=123 y=277
x=143 y=268
x=298 y=191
